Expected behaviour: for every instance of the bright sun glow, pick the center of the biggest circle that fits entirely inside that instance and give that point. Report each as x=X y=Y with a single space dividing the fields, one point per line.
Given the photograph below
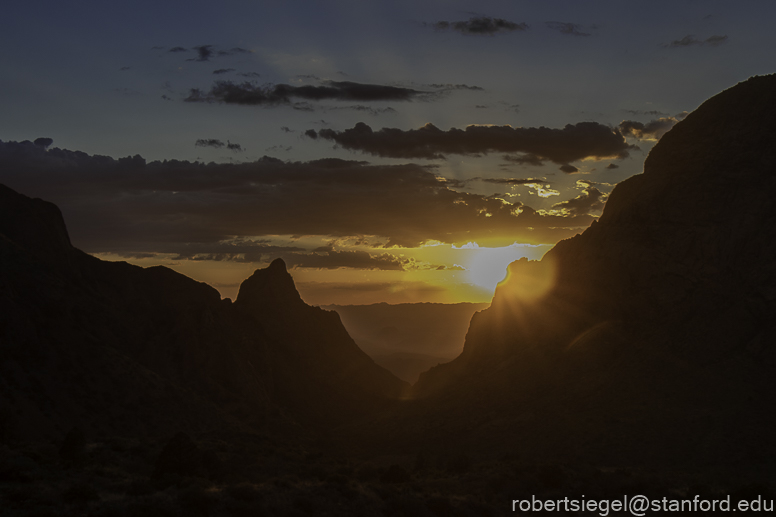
x=488 y=266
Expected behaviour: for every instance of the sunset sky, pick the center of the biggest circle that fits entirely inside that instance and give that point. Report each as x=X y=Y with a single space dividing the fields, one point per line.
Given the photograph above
x=392 y=151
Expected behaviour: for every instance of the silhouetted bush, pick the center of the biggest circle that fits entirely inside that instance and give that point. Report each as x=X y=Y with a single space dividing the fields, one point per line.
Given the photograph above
x=196 y=501
x=180 y=456
x=14 y=467
x=8 y=424
x=73 y=449
x=139 y=487
x=394 y=474
x=21 y=495
x=157 y=505
x=406 y=506
x=421 y=462
x=550 y=477
x=751 y=492
x=244 y=492
x=80 y=494
x=440 y=506
x=460 y=464
x=213 y=465
x=367 y=472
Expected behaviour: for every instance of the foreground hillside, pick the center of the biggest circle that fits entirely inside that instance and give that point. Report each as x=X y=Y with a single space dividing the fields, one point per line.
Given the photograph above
x=114 y=348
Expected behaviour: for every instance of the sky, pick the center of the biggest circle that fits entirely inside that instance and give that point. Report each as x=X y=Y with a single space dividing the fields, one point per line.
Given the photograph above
x=388 y=151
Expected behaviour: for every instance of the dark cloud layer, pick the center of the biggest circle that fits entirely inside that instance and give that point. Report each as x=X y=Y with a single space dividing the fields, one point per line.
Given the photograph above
x=481 y=26
x=573 y=142
x=691 y=41
x=129 y=206
x=249 y=94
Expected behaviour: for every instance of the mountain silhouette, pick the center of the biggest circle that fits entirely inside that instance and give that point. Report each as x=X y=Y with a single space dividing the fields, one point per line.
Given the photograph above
x=655 y=338
x=115 y=348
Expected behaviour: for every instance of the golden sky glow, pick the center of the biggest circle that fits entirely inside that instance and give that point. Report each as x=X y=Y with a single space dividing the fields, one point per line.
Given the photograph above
x=466 y=273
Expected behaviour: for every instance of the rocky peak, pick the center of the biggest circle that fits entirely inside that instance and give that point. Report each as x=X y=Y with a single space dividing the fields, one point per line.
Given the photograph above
x=35 y=225
x=268 y=289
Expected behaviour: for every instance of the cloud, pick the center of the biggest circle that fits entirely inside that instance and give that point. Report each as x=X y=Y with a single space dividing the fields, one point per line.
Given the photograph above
x=223 y=71
x=449 y=86
x=127 y=205
x=480 y=26
x=690 y=41
x=525 y=159
x=571 y=29
x=568 y=169
x=233 y=51
x=573 y=142
x=178 y=49
x=248 y=94
x=209 y=142
x=249 y=74
x=651 y=131
x=654 y=113
x=279 y=148
x=590 y=202
x=326 y=287
x=204 y=53
x=217 y=144
x=512 y=181
x=360 y=107
x=331 y=259
x=612 y=166
x=238 y=249
x=44 y=142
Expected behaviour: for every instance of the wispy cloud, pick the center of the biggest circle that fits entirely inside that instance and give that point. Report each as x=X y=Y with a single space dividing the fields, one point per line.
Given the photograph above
x=570 y=29
x=249 y=94
x=217 y=144
x=480 y=26
x=691 y=41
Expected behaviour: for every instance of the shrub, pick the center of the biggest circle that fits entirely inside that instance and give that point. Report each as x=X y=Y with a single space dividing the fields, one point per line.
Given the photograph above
x=394 y=474
x=73 y=449
x=80 y=494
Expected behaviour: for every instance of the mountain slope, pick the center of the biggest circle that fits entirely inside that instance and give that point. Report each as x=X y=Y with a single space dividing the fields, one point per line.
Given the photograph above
x=116 y=348
x=656 y=340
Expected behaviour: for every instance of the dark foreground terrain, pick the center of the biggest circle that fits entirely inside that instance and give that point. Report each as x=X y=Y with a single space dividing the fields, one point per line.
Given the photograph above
x=637 y=358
